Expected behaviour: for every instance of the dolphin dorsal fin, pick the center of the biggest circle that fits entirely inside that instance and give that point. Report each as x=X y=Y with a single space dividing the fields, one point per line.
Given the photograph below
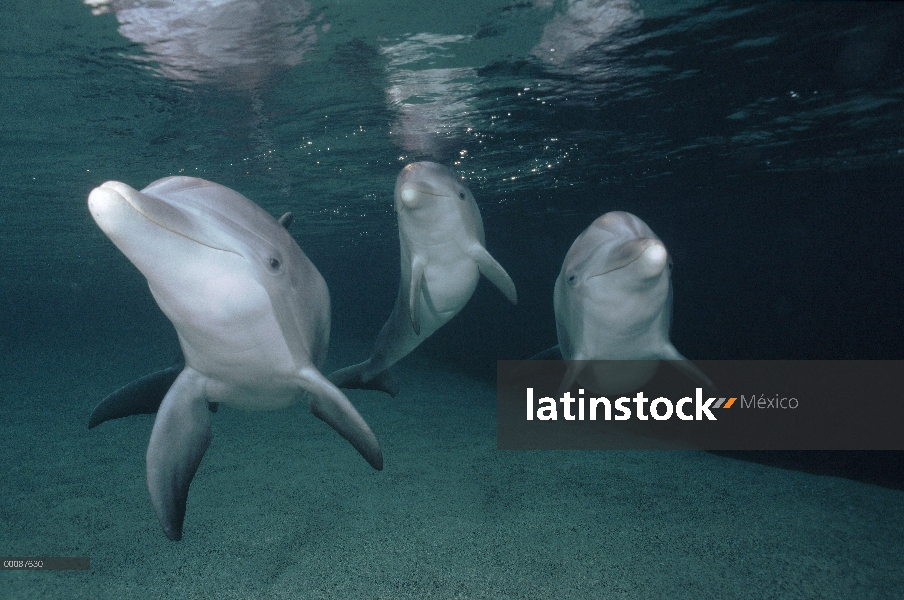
x=285 y=220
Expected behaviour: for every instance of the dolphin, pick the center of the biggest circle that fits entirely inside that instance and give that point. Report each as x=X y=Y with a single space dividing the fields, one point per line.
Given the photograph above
x=442 y=257
x=252 y=315
x=613 y=302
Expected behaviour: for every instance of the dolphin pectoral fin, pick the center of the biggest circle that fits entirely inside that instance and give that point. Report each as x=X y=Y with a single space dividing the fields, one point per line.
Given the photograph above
x=493 y=271
x=554 y=353
x=352 y=378
x=414 y=293
x=677 y=360
x=330 y=405
x=140 y=397
x=180 y=437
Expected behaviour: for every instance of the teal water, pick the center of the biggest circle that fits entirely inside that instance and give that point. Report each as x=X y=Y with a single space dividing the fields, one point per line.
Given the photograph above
x=763 y=142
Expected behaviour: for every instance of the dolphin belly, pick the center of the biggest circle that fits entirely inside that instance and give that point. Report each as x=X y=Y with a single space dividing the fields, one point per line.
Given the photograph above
x=447 y=288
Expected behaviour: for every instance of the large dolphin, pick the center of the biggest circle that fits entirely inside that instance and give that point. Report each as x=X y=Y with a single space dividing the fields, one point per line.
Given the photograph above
x=251 y=312
x=613 y=302
x=442 y=256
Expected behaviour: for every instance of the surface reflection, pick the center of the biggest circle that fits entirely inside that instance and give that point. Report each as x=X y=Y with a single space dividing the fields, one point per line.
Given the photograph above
x=583 y=24
x=432 y=104
x=235 y=43
x=435 y=97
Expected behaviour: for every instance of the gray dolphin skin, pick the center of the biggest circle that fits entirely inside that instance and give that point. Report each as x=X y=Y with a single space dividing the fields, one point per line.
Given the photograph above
x=613 y=302
x=252 y=314
x=443 y=255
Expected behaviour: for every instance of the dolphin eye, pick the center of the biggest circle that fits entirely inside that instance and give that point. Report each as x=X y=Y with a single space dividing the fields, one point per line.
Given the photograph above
x=571 y=279
x=274 y=264
x=461 y=195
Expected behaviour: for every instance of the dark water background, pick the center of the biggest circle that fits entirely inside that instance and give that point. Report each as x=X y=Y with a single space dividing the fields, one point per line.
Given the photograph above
x=763 y=142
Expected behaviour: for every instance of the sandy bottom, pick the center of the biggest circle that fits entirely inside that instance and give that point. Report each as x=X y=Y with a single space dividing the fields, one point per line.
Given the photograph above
x=282 y=507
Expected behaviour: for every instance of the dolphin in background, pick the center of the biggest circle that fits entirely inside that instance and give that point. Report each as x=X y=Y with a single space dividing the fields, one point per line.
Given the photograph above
x=613 y=306
x=443 y=255
x=252 y=314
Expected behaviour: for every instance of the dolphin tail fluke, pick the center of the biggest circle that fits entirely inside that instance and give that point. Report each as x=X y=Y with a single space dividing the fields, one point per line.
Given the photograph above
x=554 y=353
x=140 y=397
x=351 y=378
x=571 y=375
x=493 y=271
x=330 y=405
x=180 y=437
x=677 y=360
x=525 y=369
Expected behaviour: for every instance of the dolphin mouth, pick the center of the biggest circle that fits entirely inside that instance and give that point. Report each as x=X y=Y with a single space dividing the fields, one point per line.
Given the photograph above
x=159 y=212
x=411 y=193
x=414 y=174
x=621 y=266
x=616 y=268
x=627 y=255
x=422 y=187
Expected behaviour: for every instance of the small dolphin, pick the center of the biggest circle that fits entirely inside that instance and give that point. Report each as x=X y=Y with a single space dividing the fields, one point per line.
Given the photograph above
x=442 y=256
x=251 y=312
x=613 y=302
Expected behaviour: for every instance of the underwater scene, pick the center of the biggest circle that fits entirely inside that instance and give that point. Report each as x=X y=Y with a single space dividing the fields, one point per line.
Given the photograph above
x=274 y=249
